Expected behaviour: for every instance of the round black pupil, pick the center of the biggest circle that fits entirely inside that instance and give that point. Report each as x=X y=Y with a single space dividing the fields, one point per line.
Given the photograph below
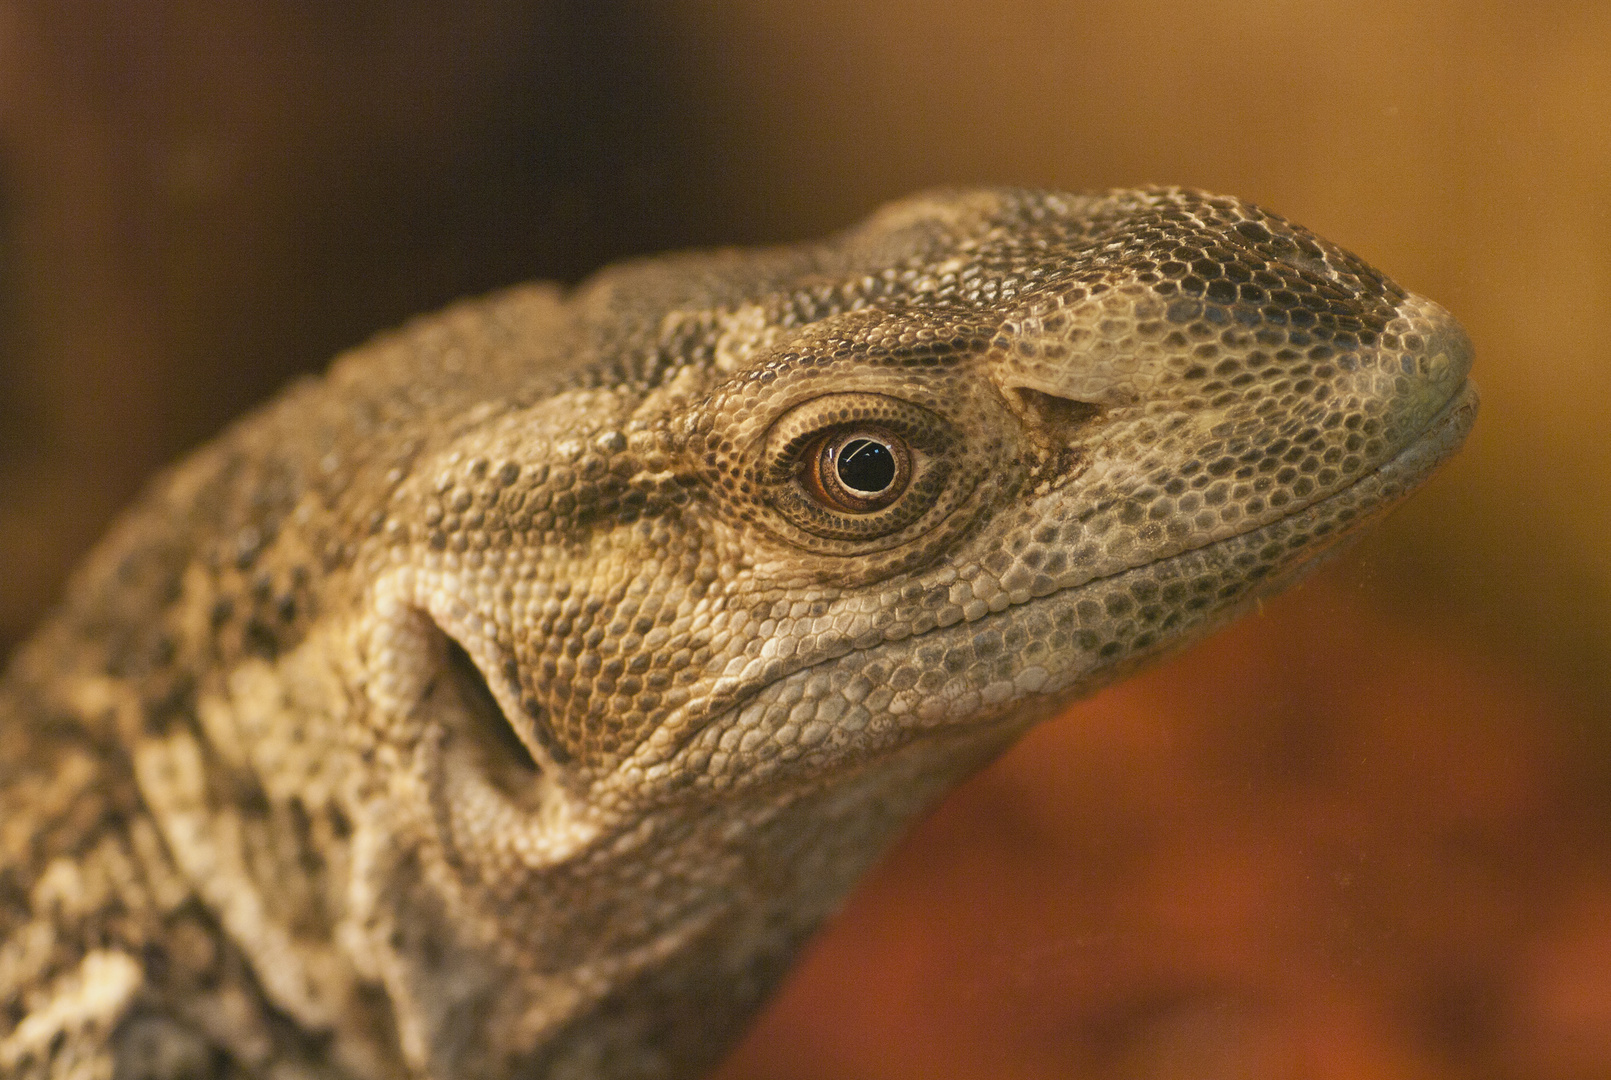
x=866 y=466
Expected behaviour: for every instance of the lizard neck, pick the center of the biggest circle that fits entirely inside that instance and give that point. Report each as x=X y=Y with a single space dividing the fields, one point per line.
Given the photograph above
x=658 y=941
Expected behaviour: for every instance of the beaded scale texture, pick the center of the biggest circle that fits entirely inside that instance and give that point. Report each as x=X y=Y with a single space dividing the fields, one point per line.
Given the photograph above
x=514 y=700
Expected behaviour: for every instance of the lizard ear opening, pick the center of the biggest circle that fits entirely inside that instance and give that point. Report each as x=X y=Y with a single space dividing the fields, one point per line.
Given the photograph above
x=481 y=724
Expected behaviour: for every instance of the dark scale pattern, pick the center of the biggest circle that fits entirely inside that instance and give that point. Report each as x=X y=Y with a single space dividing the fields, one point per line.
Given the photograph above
x=517 y=697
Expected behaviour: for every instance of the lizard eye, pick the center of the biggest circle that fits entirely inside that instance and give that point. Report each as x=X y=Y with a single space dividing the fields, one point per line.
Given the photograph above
x=858 y=470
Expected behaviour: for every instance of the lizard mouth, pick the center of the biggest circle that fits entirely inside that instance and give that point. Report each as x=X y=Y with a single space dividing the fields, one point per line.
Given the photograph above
x=1433 y=444
x=1436 y=441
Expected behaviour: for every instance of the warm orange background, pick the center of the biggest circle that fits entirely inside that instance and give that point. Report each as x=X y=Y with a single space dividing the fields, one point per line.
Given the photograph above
x=1366 y=834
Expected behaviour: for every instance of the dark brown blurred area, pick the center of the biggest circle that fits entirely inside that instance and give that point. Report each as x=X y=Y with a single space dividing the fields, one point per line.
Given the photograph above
x=1367 y=834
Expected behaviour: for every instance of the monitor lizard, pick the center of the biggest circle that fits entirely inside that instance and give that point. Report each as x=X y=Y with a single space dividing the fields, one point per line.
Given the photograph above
x=516 y=698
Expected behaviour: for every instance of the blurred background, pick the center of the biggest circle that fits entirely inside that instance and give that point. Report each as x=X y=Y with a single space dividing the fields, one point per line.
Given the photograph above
x=1366 y=833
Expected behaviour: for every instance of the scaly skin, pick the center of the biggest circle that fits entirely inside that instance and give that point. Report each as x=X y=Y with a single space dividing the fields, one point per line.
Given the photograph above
x=514 y=700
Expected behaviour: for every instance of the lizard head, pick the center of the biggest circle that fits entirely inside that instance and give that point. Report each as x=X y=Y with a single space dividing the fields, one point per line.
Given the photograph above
x=795 y=538
x=983 y=452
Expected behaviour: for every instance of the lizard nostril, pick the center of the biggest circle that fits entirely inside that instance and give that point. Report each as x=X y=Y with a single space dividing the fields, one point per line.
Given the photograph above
x=1056 y=419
